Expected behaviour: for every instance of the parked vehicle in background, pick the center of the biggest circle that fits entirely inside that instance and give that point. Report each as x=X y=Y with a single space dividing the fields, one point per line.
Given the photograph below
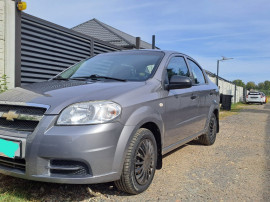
x=107 y=118
x=255 y=97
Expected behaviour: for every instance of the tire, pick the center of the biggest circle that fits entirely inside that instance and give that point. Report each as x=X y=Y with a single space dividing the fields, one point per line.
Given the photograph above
x=138 y=173
x=210 y=137
x=261 y=103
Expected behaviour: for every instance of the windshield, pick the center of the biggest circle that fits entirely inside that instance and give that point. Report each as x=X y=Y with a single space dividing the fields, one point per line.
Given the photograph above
x=130 y=66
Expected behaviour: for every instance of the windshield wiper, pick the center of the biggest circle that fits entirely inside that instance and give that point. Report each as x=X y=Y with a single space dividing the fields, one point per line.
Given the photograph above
x=60 y=78
x=96 y=76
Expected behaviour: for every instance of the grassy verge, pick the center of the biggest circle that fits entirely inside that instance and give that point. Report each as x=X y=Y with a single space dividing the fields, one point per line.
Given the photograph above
x=235 y=110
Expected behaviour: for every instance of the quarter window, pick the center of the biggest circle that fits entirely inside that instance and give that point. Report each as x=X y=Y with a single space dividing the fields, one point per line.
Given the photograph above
x=197 y=72
x=177 y=66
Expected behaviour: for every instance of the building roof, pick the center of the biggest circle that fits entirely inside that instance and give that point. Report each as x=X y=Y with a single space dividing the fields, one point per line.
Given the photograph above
x=104 y=32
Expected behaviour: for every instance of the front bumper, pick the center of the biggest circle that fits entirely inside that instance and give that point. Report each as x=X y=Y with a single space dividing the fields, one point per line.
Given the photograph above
x=100 y=148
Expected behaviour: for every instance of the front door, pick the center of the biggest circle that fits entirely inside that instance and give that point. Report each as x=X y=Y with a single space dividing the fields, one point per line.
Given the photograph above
x=181 y=105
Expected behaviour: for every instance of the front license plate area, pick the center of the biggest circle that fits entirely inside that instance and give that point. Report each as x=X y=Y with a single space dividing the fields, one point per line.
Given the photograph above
x=10 y=148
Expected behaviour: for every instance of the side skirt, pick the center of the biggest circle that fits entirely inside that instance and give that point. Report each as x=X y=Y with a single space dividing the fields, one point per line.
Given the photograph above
x=181 y=142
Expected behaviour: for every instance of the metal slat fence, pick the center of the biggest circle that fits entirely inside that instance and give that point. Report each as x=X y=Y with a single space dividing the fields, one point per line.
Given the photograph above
x=47 y=48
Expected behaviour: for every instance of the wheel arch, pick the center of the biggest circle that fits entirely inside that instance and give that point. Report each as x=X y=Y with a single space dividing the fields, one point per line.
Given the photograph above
x=214 y=109
x=216 y=112
x=157 y=134
x=144 y=117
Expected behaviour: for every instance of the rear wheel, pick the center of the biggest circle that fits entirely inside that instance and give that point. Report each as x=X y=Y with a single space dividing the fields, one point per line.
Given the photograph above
x=140 y=163
x=210 y=137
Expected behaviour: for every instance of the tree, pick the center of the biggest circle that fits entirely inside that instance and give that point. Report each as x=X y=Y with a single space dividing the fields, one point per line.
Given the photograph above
x=239 y=82
x=251 y=85
x=267 y=85
x=261 y=85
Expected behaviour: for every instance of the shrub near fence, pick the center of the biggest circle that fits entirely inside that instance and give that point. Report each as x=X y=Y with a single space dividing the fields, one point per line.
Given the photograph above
x=3 y=83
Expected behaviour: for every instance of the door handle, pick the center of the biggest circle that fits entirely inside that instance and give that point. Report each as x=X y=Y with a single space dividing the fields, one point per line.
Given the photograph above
x=193 y=97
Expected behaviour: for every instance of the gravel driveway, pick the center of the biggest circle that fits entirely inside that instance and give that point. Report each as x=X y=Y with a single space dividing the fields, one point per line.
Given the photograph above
x=235 y=168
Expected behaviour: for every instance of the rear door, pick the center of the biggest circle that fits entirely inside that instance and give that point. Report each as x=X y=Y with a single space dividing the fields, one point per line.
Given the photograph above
x=203 y=92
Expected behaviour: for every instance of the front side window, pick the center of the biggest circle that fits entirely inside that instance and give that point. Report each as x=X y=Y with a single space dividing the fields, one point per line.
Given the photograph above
x=129 y=66
x=177 y=66
x=197 y=72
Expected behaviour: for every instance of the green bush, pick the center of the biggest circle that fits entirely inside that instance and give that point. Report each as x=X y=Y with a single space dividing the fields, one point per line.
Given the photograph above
x=3 y=83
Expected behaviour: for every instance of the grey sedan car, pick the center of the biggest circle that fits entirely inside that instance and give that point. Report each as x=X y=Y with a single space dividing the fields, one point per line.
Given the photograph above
x=107 y=118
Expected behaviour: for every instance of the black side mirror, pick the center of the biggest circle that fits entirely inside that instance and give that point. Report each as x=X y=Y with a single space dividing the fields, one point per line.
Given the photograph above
x=179 y=82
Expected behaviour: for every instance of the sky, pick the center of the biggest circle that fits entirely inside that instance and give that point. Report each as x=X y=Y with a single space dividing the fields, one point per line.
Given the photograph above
x=203 y=29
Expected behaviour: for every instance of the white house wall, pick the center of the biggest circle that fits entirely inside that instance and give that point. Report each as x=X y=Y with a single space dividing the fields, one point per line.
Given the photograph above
x=2 y=36
x=228 y=88
x=7 y=40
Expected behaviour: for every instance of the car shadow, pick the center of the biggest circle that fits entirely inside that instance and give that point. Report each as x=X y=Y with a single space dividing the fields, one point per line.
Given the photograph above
x=26 y=190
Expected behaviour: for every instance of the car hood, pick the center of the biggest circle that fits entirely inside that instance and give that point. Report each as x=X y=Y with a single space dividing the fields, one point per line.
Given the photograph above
x=57 y=94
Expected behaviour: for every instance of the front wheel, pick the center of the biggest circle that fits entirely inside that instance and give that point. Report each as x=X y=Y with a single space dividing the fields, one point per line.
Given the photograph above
x=140 y=163
x=210 y=136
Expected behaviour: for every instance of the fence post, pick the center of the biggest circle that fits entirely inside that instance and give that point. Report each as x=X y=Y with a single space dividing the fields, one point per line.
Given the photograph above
x=235 y=88
x=245 y=95
x=153 y=42
x=138 y=42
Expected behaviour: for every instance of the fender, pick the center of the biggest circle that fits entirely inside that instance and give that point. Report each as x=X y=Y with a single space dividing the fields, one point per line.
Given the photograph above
x=139 y=117
x=213 y=107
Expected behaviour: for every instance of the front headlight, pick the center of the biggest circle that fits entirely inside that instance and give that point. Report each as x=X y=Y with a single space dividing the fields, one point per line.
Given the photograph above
x=89 y=113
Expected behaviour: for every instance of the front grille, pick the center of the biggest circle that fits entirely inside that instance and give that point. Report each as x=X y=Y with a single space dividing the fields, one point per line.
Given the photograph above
x=28 y=117
x=18 y=164
x=68 y=168
x=23 y=109
x=18 y=124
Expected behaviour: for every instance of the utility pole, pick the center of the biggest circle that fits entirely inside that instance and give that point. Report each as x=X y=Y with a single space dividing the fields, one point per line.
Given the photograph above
x=223 y=58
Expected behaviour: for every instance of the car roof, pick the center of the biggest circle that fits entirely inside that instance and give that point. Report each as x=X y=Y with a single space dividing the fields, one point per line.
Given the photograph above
x=166 y=52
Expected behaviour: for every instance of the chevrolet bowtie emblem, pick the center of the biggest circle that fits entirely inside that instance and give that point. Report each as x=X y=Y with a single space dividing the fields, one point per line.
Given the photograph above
x=10 y=116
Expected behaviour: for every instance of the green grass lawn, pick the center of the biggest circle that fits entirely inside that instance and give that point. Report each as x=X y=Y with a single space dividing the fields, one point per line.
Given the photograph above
x=234 y=110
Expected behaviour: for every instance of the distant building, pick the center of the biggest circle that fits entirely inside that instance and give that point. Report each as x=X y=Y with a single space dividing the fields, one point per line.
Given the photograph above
x=104 y=32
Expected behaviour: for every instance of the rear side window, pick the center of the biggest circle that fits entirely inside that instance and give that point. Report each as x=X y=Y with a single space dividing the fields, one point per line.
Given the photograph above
x=177 y=66
x=197 y=72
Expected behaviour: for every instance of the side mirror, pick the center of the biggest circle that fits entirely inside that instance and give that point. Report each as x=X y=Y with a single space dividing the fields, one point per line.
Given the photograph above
x=179 y=82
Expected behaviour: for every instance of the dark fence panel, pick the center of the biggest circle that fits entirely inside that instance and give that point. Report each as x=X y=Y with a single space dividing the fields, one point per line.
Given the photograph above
x=47 y=49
